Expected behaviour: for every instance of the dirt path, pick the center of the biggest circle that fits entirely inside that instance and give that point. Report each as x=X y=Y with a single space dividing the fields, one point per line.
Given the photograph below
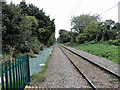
x=61 y=73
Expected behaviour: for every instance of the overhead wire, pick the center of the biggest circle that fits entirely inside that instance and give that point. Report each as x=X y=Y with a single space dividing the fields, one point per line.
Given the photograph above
x=77 y=6
x=74 y=9
x=77 y=1
x=109 y=9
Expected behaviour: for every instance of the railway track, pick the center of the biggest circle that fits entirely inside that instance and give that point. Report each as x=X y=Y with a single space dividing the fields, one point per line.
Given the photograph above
x=96 y=75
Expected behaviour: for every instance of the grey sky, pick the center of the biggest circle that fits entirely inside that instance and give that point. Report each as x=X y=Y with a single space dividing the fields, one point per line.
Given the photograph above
x=63 y=10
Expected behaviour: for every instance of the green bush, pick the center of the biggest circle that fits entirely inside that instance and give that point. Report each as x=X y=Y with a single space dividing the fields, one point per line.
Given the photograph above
x=31 y=54
x=91 y=42
x=91 y=30
x=113 y=42
x=81 y=38
x=68 y=44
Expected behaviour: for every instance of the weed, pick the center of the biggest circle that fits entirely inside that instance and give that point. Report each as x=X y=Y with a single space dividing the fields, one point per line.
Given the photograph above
x=40 y=77
x=102 y=49
x=113 y=80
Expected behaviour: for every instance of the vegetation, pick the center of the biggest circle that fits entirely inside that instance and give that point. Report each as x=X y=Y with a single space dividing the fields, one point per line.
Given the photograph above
x=108 y=51
x=66 y=36
x=25 y=28
x=88 y=33
x=40 y=77
x=79 y=23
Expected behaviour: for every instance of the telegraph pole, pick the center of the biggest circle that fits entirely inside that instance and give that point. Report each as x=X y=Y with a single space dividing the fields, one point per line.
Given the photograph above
x=119 y=41
x=119 y=11
x=1 y=28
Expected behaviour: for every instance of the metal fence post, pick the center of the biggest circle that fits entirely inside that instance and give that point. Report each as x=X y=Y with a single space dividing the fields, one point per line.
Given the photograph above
x=16 y=74
x=2 y=77
x=28 y=68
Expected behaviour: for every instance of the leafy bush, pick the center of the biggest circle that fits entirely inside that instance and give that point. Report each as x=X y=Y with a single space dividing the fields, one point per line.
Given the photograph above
x=81 y=38
x=31 y=54
x=91 y=42
x=113 y=42
x=91 y=30
x=68 y=44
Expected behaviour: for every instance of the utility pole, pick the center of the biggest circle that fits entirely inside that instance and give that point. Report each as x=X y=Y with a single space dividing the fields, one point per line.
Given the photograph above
x=119 y=41
x=119 y=11
x=0 y=32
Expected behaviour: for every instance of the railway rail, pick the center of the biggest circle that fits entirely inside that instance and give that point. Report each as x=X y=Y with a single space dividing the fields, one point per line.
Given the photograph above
x=104 y=71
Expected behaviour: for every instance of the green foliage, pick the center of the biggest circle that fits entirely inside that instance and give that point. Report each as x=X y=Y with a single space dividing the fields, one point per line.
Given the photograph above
x=31 y=54
x=109 y=52
x=114 y=42
x=67 y=44
x=91 y=30
x=46 y=65
x=40 y=77
x=80 y=22
x=106 y=31
x=26 y=28
x=65 y=36
x=81 y=38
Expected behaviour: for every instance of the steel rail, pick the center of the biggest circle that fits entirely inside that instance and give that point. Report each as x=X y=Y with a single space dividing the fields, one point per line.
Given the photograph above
x=78 y=69
x=101 y=67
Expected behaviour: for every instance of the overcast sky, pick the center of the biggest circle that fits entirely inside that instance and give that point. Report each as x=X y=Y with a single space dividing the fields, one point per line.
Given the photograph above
x=63 y=10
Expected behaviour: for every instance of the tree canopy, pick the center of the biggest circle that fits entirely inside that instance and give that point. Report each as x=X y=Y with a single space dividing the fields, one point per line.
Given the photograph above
x=25 y=28
x=79 y=23
x=86 y=28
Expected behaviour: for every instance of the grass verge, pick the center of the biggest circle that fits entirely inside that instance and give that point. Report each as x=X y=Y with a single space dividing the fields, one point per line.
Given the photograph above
x=40 y=77
x=102 y=49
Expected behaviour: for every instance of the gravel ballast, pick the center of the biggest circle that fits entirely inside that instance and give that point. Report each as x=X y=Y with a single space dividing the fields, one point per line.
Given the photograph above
x=101 y=61
x=100 y=78
x=61 y=73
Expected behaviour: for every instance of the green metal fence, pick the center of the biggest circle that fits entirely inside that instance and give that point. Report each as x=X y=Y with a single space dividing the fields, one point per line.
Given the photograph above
x=15 y=73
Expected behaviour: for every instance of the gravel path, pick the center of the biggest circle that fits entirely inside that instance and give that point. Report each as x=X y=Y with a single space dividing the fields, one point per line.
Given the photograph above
x=101 y=61
x=100 y=78
x=61 y=73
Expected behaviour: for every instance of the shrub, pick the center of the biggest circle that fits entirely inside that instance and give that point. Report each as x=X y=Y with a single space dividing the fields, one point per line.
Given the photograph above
x=92 y=42
x=68 y=44
x=81 y=38
x=31 y=54
x=91 y=30
x=113 y=42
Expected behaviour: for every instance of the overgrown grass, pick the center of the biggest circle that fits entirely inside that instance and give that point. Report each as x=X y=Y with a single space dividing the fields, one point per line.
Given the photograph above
x=101 y=49
x=40 y=77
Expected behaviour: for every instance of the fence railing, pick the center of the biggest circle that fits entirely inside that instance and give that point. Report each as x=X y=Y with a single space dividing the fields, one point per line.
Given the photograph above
x=15 y=73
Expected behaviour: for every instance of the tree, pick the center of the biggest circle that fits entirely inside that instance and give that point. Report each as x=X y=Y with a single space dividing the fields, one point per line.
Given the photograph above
x=81 y=38
x=80 y=22
x=10 y=25
x=91 y=30
x=26 y=28
x=106 y=30
x=65 y=36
